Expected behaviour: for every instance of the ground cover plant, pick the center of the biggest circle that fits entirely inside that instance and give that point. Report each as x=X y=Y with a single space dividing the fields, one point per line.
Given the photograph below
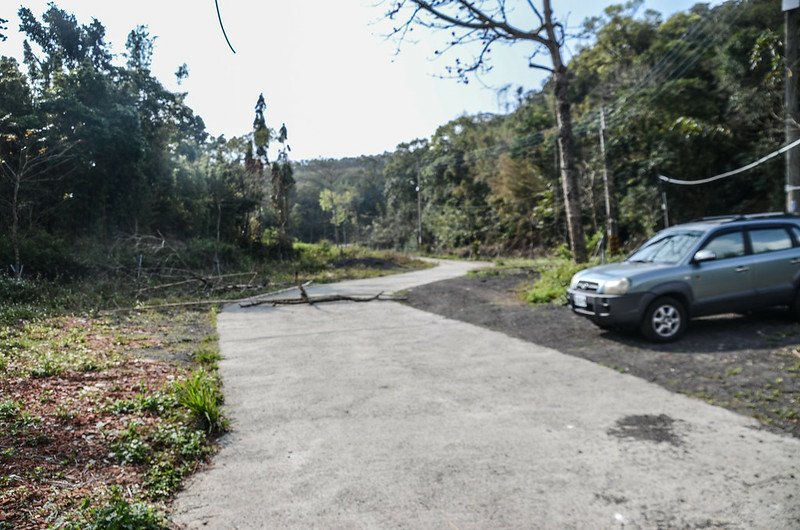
x=92 y=434
x=105 y=407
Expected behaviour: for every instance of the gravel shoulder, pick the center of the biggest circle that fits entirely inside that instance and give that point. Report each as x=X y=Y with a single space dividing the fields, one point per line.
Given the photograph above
x=749 y=364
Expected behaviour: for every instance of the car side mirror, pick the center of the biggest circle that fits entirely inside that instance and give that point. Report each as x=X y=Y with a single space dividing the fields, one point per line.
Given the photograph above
x=704 y=255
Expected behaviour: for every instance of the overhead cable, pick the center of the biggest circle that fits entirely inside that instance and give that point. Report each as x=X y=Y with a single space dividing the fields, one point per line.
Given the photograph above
x=735 y=171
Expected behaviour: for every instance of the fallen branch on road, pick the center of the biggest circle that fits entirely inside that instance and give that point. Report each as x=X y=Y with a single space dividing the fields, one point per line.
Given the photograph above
x=311 y=300
x=251 y=299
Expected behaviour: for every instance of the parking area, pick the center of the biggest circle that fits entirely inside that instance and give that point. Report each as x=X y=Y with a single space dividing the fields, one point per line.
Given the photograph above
x=746 y=363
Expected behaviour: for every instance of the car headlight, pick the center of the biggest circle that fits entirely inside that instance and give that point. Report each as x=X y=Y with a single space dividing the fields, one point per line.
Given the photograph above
x=574 y=282
x=617 y=286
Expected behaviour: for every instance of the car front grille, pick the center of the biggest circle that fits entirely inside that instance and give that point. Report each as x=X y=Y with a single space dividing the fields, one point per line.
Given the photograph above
x=587 y=286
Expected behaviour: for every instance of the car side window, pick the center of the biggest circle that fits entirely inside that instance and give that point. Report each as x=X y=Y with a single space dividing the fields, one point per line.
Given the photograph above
x=770 y=240
x=728 y=245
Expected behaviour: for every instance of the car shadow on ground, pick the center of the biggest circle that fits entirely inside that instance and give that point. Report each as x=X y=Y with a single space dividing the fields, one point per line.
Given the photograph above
x=761 y=330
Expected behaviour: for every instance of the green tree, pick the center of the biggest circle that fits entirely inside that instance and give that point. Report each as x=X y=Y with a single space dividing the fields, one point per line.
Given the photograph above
x=282 y=182
x=28 y=161
x=340 y=207
x=491 y=22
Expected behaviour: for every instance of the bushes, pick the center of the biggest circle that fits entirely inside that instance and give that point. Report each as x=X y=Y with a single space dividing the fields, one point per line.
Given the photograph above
x=554 y=277
x=41 y=255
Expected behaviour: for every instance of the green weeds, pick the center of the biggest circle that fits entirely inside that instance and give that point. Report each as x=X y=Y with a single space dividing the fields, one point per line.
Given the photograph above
x=9 y=409
x=115 y=513
x=159 y=403
x=208 y=357
x=733 y=372
x=201 y=396
x=129 y=447
x=554 y=277
x=50 y=347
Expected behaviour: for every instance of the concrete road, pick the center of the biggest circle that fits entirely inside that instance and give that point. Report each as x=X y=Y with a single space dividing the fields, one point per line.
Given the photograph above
x=377 y=415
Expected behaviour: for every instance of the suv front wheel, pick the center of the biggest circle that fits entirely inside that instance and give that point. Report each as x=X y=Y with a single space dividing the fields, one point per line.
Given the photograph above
x=665 y=320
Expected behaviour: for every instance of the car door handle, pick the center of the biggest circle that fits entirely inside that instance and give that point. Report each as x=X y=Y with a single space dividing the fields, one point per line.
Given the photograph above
x=742 y=268
x=795 y=261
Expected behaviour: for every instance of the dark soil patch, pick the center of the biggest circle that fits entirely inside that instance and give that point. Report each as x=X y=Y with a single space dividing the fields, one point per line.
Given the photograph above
x=648 y=428
x=367 y=263
x=167 y=335
x=749 y=364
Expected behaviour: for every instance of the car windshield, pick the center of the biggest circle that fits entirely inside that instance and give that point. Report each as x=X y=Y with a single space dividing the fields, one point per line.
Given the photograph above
x=666 y=248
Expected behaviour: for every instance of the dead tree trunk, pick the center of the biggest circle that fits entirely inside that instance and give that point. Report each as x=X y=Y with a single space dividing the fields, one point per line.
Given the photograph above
x=487 y=22
x=566 y=147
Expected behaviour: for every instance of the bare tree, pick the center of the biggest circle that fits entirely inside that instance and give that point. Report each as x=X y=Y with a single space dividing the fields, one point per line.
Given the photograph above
x=484 y=23
x=26 y=162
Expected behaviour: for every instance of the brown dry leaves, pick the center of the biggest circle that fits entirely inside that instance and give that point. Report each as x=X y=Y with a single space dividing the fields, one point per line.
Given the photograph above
x=55 y=430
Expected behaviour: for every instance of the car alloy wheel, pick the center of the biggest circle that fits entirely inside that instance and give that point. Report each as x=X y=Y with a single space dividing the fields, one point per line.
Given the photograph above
x=665 y=320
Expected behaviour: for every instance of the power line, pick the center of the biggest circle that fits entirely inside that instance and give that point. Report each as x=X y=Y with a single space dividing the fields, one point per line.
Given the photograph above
x=735 y=171
x=673 y=62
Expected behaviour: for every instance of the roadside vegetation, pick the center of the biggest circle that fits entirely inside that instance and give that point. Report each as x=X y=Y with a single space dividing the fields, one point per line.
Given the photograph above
x=93 y=432
x=105 y=407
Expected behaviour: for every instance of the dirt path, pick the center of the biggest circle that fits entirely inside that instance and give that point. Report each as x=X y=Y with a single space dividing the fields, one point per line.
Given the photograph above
x=374 y=415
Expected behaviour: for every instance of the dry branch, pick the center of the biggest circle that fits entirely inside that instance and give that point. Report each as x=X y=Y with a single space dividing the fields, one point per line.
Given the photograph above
x=205 y=280
x=311 y=300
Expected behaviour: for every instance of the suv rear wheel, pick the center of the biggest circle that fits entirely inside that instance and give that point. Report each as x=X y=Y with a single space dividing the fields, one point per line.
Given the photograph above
x=665 y=320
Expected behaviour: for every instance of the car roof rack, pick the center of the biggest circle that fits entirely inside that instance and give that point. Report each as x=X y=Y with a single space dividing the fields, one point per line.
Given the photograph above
x=745 y=217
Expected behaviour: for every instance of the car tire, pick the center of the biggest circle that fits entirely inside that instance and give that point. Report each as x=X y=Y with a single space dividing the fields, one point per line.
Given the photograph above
x=665 y=320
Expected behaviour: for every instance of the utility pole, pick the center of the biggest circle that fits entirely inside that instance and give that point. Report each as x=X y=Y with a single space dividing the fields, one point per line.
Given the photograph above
x=791 y=9
x=612 y=234
x=419 y=214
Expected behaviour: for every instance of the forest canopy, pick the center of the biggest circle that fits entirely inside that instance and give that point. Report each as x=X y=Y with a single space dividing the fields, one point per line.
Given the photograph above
x=96 y=149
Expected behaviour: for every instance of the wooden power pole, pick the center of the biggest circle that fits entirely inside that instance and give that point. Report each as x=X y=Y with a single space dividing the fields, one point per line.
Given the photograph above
x=791 y=9
x=612 y=233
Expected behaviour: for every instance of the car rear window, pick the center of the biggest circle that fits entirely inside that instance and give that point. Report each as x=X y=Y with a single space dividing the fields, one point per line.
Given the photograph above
x=770 y=240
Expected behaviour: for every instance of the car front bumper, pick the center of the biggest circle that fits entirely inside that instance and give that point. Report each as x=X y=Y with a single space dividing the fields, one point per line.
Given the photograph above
x=627 y=309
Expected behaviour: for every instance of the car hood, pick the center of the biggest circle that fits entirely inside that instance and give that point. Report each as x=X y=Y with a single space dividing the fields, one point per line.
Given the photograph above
x=625 y=269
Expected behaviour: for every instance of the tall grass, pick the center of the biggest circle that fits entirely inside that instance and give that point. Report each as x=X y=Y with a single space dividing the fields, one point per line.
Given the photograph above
x=200 y=395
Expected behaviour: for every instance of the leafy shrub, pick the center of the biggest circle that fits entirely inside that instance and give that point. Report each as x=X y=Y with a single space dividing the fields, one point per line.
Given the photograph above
x=42 y=255
x=200 y=396
x=18 y=291
x=554 y=278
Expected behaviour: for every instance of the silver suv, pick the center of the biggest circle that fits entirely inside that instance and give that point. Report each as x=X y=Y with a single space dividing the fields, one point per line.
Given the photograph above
x=710 y=266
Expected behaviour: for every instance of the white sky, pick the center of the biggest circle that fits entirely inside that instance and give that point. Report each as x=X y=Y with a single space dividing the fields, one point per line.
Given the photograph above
x=323 y=66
